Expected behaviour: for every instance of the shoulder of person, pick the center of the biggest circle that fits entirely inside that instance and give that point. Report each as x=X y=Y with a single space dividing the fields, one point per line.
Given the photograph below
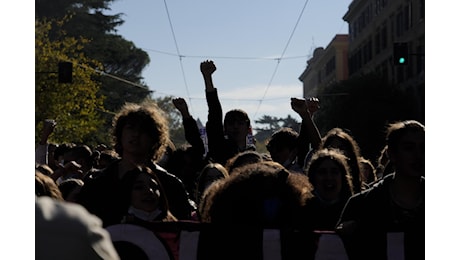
x=162 y=173
x=101 y=175
x=68 y=230
x=157 y=169
x=377 y=193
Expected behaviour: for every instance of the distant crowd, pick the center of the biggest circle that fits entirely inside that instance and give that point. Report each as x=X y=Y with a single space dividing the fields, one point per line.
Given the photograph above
x=305 y=183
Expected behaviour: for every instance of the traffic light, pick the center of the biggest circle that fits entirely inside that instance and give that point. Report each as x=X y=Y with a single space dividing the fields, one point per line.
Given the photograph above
x=400 y=53
x=65 y=72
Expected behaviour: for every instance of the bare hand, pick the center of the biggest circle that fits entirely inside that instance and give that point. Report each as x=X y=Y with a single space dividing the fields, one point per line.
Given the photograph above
x=346 y=228
x=70 y=168
x=313 y=105
x=181 y=105
x=299 y=105
x=207 y=67
x=48 y=126
x=73 y=168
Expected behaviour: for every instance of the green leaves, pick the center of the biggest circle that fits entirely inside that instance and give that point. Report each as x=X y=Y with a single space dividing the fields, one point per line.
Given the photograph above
x=74 y=106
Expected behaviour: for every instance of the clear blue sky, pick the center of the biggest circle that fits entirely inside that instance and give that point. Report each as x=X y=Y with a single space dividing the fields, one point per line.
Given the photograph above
x=245 y=39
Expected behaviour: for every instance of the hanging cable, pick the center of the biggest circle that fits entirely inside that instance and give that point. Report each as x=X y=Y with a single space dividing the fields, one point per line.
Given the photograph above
x=103 y=73
x=279 y=60
x=224 y=57
x=179 y=55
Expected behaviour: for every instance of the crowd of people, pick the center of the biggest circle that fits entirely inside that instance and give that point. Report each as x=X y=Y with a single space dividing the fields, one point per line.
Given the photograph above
x=304 y=183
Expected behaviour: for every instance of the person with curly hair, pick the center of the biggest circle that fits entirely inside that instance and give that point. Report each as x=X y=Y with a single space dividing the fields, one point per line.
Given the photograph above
x=140 y=133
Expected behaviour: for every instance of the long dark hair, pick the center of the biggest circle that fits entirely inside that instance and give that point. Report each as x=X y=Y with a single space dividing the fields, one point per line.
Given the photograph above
x=350 y=149
x=341 y=160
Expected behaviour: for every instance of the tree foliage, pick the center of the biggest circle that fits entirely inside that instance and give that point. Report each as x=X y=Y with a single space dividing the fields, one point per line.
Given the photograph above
x=74 y=105
x=365 y=105
x=120 y=58
x=269 y=125
x=176 y=128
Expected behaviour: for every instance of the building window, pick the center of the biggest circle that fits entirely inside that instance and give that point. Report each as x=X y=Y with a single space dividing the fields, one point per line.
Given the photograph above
x=368 y=14
x=359 y=59
x=330 y=66
x=367 y=52
x=361 y=22
x=351 y=64
x=354 y=62
x=369 y=49
x=392 y=28
x=422 y=9
x=350 y=32
x=355 y=29
x=377 y=42
x=399 y=24
x=384 y=72
x=384 y=36
x=407 y=17
x=399 y=74
x=419 y=58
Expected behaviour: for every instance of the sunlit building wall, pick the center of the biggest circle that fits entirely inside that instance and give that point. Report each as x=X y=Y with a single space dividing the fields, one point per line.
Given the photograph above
x=374 y=25
x=327 y=66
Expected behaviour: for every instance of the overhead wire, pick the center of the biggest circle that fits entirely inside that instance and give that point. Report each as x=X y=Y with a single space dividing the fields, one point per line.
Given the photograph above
x=179 y=55
x=103 y=73
x=279 y=60
x=224 y=57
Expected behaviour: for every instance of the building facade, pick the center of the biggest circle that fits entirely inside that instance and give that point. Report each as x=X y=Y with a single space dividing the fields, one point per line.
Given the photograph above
x=327 y=66
x=374 y=25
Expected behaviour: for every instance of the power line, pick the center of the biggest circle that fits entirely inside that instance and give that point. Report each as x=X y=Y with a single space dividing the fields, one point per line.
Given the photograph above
x=226 y=57
x=179 y=55
x=103 y=73
x=241 y=99
x=279 y=60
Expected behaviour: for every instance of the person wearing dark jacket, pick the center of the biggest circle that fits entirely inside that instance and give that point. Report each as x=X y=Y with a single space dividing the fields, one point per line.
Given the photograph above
x=186 y=161
x=141 y=136
x=394 y=205
x=236 y=210
x=227 y=139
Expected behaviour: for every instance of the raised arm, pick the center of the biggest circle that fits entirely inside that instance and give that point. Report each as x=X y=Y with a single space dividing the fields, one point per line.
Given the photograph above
x=180 y=104
x=207 y=69
x=192 y=133
x=214 y=125
x=41 y=153
x=308 y=133
x=214 y=107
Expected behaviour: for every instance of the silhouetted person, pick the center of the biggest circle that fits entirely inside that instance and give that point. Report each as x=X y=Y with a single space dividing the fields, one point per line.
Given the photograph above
x=226 y=136
x=394 y=204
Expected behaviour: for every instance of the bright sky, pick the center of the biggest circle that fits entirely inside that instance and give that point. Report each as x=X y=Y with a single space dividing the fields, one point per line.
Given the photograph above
x=245 y=39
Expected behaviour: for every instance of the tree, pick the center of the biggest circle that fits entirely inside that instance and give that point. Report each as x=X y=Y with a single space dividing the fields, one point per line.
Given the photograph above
x=120 y=58
x=272 y=125
x=176 y=129
x=364 y=105
x=74 y=105
x=290 y=122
